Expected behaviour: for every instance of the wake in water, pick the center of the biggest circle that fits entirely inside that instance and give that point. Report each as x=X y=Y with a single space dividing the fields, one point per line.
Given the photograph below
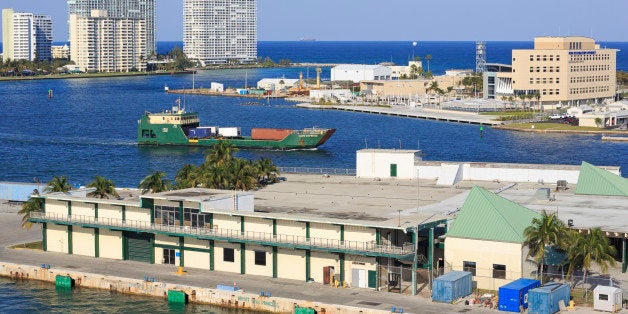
x=79 y=140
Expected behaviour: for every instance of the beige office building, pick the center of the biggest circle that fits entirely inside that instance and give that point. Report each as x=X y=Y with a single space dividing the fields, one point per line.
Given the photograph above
x=103 y=44
x=569 y=70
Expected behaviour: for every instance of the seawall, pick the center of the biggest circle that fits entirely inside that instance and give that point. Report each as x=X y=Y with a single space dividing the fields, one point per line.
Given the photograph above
x=238 y=299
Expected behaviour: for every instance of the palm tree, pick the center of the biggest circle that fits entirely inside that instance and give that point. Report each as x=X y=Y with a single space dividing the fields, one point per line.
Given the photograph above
x=32 y=205
x=58 y=184
x=155 y=182
x=221 y=153
x=267 y=170
x=428 y=57
x=537 y=96
x=544 y=232
x=511 y=100
x=103 y=188
x=215 y=177
x=243 y=175
x=591 y=248
x=187 y=177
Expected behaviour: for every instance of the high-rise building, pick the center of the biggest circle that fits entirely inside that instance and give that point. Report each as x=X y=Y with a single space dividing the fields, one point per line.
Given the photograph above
x=220 y=31
x=121 y=9
x=100 y=43
x=568 y=70
x=26 y=36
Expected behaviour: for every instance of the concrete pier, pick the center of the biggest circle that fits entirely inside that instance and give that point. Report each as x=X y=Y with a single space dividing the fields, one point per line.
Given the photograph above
x=420 y=113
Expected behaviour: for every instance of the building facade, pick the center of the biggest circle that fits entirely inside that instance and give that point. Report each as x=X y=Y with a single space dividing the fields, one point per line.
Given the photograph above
x=569 y=70
x=61 y=52
x=360 y=72
x=218 y=32
x=100 y=43
x=122 y=9
x=213 y=230
x=26 y=36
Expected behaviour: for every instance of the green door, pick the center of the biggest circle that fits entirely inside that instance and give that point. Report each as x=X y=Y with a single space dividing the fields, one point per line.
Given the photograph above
x=138 y=246
x=393 y=170
x=372 y=279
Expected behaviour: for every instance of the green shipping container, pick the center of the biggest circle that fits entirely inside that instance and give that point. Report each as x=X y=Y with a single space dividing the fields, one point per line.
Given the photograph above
x=304 y=310
x=64 y=281
x=178 y=297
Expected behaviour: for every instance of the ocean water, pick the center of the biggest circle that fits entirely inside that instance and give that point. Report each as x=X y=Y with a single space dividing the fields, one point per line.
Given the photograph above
x=20 y=296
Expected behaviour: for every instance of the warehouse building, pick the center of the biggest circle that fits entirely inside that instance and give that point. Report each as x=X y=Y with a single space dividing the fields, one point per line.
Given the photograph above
x=360 y=72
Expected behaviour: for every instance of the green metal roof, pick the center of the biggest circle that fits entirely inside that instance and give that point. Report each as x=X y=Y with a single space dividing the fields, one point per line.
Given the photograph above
x=487 y=216
x=596 y=181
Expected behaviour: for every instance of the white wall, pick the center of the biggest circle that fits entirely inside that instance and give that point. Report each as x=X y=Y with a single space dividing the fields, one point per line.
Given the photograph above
x=110 y=243
x=376 y=164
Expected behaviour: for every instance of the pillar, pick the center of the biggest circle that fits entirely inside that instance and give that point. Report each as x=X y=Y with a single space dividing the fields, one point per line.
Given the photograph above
x=96 y=241
x=275 y=262
x=415 y=259
x=308 y=254
x=624 y=254
x=211 y=254
x=69 y=239
x=180 y=215
x=181 y=249
x=44 y=229
x=242 y=260
x=430 y=254
x=341 y=256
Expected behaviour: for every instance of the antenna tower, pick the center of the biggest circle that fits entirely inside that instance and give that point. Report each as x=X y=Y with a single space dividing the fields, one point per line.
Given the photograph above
x=480 y=56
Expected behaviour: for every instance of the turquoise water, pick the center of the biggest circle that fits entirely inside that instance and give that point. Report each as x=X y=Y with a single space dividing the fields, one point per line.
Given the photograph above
x=20 y=296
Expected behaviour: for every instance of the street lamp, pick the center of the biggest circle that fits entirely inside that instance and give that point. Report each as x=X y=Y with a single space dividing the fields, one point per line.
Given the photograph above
x=414 y=44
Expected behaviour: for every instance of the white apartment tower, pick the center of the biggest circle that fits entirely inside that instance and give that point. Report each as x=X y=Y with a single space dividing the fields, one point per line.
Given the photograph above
x=121 y=9
x=100 y=43
x=220 y=31
x=26 y=36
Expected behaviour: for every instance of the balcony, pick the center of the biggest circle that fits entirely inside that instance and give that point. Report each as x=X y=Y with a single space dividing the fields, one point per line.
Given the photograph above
x=230 y=235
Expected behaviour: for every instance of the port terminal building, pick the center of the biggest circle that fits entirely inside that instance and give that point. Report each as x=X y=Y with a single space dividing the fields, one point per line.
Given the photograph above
x=382 y=229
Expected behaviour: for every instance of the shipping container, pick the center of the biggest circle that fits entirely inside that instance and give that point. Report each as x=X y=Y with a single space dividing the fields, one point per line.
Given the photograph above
x=242 y=91
x=513 y=297
x=269 y=134
x=229 y=132
x=452 y=286
x=607 y=299
x=200 y=132
x=548 y=298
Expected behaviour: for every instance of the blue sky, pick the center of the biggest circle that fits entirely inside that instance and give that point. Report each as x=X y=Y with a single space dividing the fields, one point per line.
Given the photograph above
x=392 y=20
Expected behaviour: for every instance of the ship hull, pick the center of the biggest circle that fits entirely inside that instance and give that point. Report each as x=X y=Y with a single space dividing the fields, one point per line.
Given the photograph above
x=174 y=135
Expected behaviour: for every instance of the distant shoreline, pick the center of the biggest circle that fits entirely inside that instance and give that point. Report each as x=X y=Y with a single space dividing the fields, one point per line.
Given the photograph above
x=89 y=75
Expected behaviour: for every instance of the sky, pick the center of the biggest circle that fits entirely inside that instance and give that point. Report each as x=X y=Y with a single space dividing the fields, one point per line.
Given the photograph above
x=395 y=20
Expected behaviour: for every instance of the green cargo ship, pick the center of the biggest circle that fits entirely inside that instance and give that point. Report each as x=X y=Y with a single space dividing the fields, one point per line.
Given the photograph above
x=178 y=127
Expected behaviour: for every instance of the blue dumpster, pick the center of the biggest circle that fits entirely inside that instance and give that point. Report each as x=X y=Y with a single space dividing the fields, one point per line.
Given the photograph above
x=452 y=286
x=514 y=296
x=547 y=299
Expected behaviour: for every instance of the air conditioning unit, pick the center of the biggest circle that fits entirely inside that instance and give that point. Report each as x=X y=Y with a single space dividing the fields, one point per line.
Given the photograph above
x=561 y=185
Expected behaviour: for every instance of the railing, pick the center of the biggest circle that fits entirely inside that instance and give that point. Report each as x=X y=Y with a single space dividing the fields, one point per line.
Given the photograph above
x=293 y=240
x=323 y=171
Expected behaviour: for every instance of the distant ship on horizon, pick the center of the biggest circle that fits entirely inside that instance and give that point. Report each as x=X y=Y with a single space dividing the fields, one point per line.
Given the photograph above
x=307 y=39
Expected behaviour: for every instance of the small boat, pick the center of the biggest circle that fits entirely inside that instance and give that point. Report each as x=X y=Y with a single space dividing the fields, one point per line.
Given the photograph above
x=166 y=88
x=178 y=127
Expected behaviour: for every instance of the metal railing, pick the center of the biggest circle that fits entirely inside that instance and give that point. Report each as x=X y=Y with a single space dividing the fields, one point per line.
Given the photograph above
x=293 y=240
x=323 y=171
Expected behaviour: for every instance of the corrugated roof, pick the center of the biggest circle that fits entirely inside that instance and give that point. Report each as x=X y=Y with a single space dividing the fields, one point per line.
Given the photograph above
x=596 y=181
x=487 y=216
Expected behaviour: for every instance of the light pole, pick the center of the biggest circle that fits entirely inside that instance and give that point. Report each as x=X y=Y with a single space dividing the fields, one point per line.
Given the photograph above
x=414 y=44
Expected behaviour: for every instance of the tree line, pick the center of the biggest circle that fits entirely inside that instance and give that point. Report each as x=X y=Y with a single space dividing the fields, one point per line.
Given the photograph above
x=220 y=170
x=581 y=250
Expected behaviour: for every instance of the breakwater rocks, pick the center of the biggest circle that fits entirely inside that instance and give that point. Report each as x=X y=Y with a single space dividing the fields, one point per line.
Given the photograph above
x=237 y=299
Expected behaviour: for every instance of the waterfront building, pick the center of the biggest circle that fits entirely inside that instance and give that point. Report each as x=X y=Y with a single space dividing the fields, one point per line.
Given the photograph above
x=218 y=32
x=61 y=52
x=403 y=89
x=360 y=72
x=273 y=84
x=496 y=86
x=122 y=9
x=385 y=233
x=100 y=43
x=403 y=71
x=26 y=36
x=568 y=70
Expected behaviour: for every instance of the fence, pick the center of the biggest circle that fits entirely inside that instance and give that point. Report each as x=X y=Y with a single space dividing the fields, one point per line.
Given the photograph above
x=294 y=240
x=323 y=171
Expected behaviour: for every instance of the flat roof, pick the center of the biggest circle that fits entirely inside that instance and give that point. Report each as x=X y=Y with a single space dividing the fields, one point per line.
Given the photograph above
x=195 y=194
x=610 y=213
x=389 y=151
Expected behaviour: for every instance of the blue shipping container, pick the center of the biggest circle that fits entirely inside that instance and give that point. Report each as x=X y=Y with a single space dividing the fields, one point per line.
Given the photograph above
x=514 y=296
x=200 y=133
x=545 y=299
x=452 y=286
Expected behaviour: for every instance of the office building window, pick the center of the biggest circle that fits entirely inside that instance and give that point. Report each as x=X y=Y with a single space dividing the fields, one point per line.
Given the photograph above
x=531 y=80
x=469 y=266
x=531 y=58
x=531 y=69
x=228 y=255
x=260 y=258
x=499 y=271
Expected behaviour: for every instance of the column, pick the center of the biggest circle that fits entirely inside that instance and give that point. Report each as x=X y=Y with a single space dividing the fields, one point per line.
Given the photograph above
x=415 y=237
x=181 y=249
x=430 y=254
x=69 y=239
x=211 y=254
x=96 y=241
x=242 y=260
x=308 y=275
